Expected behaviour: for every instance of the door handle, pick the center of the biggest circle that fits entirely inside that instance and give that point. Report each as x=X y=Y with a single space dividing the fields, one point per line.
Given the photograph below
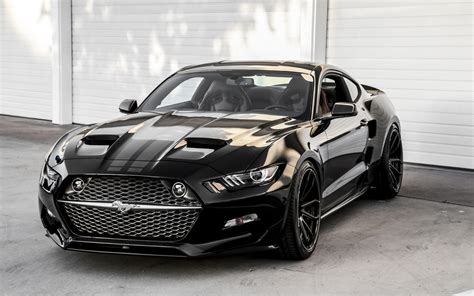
x=364 y=122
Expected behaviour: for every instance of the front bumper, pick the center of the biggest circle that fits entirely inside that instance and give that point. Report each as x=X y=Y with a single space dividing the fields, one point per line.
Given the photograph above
x=207 y=236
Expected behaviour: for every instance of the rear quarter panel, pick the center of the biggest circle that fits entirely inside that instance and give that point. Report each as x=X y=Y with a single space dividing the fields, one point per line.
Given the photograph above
x=382 y=110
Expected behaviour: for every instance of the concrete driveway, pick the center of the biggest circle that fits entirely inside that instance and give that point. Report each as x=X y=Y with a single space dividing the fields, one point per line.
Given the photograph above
x=409 y=245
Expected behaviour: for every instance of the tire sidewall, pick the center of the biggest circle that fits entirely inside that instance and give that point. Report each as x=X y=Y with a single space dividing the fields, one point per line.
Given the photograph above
x=294 y=207
x=384 y=183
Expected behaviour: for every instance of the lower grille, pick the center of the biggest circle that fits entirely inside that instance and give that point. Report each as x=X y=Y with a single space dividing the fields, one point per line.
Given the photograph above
x=156 y=224
x=128 y=207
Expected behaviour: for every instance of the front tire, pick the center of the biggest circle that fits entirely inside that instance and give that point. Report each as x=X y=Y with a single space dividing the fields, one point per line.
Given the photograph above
x=390 y=174
x=301 y=230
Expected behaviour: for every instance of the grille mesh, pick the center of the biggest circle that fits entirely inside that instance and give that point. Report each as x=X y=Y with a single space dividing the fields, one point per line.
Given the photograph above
x=163 y=224
x=129 y=189
x=159 y=224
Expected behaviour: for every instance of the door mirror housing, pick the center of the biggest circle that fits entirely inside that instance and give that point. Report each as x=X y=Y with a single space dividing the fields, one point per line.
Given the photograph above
x=341 y=109
x=128 y=106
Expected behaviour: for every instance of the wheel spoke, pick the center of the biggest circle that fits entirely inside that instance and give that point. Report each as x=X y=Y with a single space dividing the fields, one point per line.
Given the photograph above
x=392 y=167
x=395 y=144
x=305 y=184
x=306 y=214
x=393 y=178
x=307 y=188
x=303 y=230
x=308 y=229
x=307 y=204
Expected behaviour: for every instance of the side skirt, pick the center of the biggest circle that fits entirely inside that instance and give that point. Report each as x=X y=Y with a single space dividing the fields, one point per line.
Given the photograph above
x=345 y=202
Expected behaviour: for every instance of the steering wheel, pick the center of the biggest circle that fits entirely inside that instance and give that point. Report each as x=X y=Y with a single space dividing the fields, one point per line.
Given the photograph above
x=277 y=107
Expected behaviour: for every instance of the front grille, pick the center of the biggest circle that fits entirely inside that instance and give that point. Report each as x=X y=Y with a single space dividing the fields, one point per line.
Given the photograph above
x=91 y=213
x=159 y=224
x=129 y=189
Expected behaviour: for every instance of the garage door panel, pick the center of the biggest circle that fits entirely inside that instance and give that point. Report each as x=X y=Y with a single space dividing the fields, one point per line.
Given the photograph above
x=397 y=74
x=347 y=4
x=437 y=128
x=427 y=94
x=401 y=10
x=90 y=30
x=138 y=93
x=433 y=85
x=389 y=41
x=22 y=93
x=420 y=54
x=440 y=159
x=452 y=150
x=437 y=138
x=433 y=117
x=151 y=2
x=183 y=19
x=113 y=76
x=401 y=21
x=109 y=51
x=402 y=63
x=118 y=8
x=402 y=51
x=378 y=31
x=444 y=106
x=116 y=86
x=123 y=49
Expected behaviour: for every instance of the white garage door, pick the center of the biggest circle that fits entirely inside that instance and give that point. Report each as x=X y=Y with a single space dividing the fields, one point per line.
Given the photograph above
x=421 y=54
x=25 y=59
x=123 y=48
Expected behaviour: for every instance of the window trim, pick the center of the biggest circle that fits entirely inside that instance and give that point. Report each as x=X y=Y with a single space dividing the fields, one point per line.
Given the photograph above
x=321 y=77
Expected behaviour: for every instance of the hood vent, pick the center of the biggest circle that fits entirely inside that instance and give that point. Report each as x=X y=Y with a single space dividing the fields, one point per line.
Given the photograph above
x=205 y=143
x=100 y=139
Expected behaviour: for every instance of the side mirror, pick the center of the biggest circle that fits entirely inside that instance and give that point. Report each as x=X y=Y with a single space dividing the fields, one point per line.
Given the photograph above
x=343 y=110
x=128 y=106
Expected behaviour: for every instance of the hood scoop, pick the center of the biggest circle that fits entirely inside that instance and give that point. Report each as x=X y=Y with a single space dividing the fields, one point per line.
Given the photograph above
x=196 y=148
x=206 y=143
x=95 y=145
x=100 y=140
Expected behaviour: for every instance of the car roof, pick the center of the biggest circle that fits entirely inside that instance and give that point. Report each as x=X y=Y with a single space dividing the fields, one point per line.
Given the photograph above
x=290 y=66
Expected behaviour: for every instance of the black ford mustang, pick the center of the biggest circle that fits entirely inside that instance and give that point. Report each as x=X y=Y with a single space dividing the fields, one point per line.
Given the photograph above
x=221 y=157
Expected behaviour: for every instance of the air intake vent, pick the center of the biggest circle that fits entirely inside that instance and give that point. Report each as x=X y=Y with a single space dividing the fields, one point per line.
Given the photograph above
x=205 y=143
x=100 y=139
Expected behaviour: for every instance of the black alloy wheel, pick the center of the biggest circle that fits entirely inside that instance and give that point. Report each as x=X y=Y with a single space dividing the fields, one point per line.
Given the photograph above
x=301 y=231
x=395 y=160
x=389 y=178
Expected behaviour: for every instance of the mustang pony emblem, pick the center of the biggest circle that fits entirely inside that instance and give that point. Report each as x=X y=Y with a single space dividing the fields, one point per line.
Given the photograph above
x=123 y=208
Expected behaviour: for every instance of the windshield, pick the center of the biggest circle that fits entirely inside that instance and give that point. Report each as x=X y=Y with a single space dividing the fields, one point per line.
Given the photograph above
x=271 y=92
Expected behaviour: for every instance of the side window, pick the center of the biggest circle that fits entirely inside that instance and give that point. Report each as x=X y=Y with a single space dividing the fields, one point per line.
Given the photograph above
x=352 y=88
x=326 y=96
x=183 y=92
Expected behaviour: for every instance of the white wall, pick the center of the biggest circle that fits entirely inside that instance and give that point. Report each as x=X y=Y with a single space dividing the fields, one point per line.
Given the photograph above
x=25 y=58
x=124 y=48
x=421 y=54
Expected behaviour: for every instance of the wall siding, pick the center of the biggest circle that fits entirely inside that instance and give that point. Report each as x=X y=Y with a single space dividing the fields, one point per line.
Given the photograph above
x=25 y=59
x=421 y=54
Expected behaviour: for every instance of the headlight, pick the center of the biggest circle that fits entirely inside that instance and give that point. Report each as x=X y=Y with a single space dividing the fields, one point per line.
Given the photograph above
x=49 y=179
x=241 y=180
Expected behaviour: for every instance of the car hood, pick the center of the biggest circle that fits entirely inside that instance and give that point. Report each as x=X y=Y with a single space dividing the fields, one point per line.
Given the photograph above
x=200 y=137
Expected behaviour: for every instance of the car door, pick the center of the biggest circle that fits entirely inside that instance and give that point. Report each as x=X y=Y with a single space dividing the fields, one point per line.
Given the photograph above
x=347 y=139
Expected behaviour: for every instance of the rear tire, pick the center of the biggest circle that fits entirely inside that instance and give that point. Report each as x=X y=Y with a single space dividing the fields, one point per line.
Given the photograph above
x=301 y=229
x=390 y=171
